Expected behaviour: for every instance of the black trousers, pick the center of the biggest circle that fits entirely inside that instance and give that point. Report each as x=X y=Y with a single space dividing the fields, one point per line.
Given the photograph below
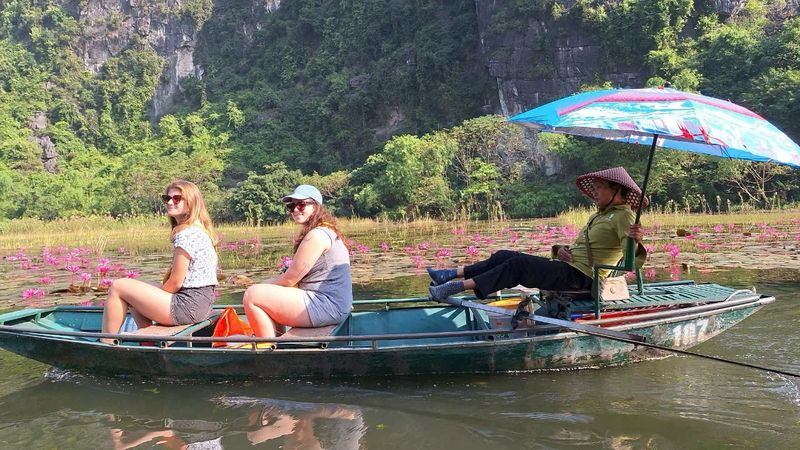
x=506 y=269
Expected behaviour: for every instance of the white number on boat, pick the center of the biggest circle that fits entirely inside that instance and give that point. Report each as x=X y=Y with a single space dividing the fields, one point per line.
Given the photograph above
x=688 y=333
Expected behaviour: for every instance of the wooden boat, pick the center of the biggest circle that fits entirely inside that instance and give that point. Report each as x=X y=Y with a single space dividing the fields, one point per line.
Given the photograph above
x=390 y=337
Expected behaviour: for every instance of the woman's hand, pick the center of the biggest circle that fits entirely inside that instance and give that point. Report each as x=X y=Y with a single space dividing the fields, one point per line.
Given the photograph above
x=180 y=265
x=636 y=233
x=564 y=254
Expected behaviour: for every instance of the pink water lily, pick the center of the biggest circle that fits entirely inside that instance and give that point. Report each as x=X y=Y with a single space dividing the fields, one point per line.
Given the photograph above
x=384 y=247
x=673 y=250
x=33 y=293
x=285 y=263
x=719 y=228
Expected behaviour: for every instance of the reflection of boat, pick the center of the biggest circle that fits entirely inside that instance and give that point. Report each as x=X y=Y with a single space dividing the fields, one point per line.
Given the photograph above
x=402 y=337
x=181 y=415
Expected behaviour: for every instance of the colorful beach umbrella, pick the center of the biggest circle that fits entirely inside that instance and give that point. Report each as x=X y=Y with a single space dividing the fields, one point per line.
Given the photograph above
x=666 y=118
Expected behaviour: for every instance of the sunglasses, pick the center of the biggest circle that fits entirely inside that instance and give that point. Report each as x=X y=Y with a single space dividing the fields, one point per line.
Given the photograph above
x=300 y=206
x=177 y=198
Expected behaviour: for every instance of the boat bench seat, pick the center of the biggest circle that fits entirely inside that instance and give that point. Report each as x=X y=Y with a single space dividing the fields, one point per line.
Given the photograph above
x=176 y=330
x=309 y=332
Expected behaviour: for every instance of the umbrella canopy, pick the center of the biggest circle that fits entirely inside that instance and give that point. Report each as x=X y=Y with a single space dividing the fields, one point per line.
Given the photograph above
x=679 y=120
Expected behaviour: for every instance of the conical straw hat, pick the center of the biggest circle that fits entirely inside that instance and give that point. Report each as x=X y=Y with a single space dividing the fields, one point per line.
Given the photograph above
x=616 y=174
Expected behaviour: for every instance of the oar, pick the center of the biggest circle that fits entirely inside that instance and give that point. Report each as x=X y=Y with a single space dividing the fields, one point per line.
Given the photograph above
x=579 y=327
x=609 y=334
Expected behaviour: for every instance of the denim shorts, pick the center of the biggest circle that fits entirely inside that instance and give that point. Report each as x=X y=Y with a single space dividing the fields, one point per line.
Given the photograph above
x=191 y=305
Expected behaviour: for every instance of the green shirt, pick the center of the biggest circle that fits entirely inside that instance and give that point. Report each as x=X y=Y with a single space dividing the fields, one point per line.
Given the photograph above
x=608 y=230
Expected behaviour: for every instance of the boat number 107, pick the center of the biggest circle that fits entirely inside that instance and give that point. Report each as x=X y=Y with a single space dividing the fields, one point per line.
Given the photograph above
x=687 y=334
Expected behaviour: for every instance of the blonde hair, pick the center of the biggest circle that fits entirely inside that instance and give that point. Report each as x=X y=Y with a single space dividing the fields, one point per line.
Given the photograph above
x=197 y=210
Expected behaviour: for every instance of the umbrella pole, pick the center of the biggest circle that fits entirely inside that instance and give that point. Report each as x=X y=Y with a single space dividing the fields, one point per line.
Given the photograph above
x=646 y=177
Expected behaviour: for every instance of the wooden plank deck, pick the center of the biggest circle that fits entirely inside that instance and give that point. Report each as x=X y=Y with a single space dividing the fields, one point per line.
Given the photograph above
x=679 y=294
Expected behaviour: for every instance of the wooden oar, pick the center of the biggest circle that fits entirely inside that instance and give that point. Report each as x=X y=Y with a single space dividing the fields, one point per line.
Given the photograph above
x=578 y=327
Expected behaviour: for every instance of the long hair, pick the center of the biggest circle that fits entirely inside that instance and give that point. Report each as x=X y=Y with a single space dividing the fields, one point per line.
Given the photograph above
x=197 y=210
x=320 y=217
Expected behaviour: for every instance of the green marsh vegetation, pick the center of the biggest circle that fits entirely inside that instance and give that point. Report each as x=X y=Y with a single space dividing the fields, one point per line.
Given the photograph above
x=383 y=105
x=43 y=262
x=380 y=103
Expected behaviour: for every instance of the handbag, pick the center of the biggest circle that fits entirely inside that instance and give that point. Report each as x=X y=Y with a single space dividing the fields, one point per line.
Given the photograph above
x=611 y=288
x=229 y=324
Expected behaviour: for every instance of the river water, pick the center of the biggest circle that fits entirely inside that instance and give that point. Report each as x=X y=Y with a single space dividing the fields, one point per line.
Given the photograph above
x=672 y=403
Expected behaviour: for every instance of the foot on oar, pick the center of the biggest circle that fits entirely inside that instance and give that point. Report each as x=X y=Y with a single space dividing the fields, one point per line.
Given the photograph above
x=443 y=291
x=441 y=276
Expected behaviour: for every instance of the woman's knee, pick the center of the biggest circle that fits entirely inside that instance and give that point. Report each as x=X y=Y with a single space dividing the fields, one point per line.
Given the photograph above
x=120 y=286
x=504 y=255
x=254 y=295
x=249 y=295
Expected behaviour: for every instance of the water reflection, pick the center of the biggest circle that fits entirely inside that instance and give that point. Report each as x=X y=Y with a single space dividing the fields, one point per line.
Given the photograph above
x=171 y=416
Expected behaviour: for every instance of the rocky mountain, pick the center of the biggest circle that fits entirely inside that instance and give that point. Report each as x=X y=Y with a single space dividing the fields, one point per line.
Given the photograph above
x=512 y=59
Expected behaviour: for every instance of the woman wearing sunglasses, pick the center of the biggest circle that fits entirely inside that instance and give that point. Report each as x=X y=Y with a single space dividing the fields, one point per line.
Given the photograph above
x=316 y=289
x=187 y=291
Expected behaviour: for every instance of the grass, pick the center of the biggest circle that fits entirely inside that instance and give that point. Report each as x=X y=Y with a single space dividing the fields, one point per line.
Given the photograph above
x=141 y=235
x=578 y=217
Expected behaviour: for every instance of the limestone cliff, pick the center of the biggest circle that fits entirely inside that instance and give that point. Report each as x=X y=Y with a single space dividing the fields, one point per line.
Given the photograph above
x=564 y=55
x=550 y=59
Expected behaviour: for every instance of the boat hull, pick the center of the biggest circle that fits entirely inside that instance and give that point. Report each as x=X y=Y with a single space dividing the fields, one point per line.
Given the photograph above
x=504 y=353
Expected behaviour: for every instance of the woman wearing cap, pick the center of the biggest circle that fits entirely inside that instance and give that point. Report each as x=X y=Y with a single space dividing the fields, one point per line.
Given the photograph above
x=187 y=291
x=316 y=289
x=614 y=193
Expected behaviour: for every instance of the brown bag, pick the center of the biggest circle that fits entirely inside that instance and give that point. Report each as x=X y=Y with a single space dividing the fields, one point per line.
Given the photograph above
x=611 y=288
x=614 y=288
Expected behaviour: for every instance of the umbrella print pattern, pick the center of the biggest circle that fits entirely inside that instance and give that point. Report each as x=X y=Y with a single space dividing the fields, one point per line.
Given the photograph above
x=682 y=121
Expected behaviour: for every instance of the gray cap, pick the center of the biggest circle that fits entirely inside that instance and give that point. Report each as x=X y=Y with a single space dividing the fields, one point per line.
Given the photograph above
x=303 y=192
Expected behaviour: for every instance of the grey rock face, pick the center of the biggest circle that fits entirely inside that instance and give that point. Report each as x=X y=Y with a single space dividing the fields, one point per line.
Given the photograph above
x=38 y=124
x=111 y=26
x=563 y=54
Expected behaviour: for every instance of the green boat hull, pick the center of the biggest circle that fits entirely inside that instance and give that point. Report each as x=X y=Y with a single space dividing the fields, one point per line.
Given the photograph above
x=417 y=340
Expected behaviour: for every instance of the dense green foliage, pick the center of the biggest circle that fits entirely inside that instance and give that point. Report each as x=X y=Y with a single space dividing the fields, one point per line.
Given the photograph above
x=381 y=104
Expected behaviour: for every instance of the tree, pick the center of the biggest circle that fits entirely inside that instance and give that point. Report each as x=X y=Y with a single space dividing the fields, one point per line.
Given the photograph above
x=257 y=198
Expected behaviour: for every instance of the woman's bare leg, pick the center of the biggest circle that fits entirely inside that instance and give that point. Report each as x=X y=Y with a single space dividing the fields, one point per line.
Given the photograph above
x=269 y=307
x=148 y=301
